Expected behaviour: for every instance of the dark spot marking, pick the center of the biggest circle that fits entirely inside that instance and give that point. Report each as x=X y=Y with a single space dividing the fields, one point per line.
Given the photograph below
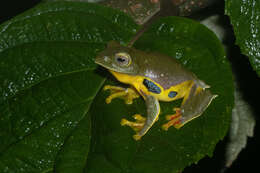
x=152 y=87
x=172 y=94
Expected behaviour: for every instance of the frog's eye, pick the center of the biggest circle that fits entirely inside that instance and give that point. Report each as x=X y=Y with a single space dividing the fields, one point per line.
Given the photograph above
x=123 y=59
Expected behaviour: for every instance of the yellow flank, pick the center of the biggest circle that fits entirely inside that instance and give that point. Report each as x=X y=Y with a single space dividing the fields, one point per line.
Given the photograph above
x=182 y=89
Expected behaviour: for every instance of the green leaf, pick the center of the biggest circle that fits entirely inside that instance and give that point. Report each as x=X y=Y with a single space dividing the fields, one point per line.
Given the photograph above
x=245 y=16
x=198 y=49
x=48 y=82
x=50 y=88
x=58 y=29
x=36 y=123
x=73 y=155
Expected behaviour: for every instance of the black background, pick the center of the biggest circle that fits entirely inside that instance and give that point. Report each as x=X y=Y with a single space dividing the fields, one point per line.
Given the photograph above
x=247 y=79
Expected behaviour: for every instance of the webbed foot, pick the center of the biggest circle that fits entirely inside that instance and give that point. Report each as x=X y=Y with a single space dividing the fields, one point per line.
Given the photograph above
x=173 y=120
x=136 y=126
x=128 y=94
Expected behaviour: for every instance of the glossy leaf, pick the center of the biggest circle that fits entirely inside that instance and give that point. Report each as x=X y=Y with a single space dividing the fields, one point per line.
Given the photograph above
x=48 y=83
x=70 y=26
x=245 y=17
x=74 y=153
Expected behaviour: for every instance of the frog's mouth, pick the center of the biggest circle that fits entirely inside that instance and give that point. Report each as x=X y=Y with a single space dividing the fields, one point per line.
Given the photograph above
x=102 y=62
x=110 y=68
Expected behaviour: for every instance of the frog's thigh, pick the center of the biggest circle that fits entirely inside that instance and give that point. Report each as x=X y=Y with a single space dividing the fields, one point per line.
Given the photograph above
x=142 y=125
x=195 y=103
x=128 y=94
x=153 y=111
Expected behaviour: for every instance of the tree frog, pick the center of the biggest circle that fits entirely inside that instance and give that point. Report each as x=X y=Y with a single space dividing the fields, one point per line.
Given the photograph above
x=156 y=77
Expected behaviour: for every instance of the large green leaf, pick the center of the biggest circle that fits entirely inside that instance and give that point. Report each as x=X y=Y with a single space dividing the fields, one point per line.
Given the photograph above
x=48 y=83
x=245 y=17
x=50 y=88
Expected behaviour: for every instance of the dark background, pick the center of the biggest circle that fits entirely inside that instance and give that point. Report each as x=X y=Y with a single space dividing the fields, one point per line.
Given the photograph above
x=248 y=83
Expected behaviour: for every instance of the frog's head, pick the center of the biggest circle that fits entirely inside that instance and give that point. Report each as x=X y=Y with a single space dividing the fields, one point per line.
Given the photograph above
x=117 y=58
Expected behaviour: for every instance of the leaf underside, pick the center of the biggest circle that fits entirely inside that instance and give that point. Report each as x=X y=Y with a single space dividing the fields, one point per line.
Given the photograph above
x=52 y=111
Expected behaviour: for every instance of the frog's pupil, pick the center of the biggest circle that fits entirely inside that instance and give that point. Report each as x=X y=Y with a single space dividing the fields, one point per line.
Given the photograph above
x=120 y=59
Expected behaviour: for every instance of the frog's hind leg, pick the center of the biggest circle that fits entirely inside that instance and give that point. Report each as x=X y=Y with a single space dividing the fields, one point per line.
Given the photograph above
x=137 y=125
x=128 y=94
x=194 y=104
x=173 y=120
x=142 y=125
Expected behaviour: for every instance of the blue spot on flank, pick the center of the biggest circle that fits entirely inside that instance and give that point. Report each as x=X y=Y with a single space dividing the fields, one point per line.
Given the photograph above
x=172 y=94
x=151 y=86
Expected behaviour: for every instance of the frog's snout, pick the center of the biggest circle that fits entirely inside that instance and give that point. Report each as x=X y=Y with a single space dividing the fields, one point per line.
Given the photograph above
x=98 y=60
x=104 y=61
x=101 y=60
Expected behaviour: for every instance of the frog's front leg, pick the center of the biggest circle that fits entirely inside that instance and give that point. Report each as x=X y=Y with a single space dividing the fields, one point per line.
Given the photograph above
x=195 y=102
x=128 y=94
x=142 y=125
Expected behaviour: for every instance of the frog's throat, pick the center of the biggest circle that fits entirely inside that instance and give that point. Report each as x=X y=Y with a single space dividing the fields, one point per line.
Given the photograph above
x=124 y=77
